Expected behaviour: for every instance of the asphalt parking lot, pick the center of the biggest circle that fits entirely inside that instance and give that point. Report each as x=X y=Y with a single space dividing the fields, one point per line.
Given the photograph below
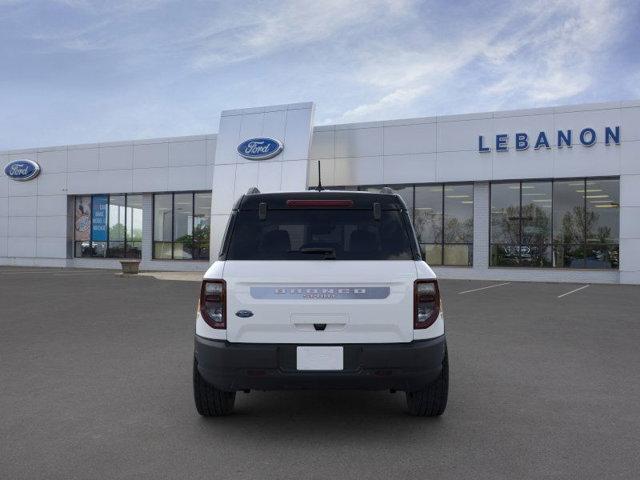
x=95 y=382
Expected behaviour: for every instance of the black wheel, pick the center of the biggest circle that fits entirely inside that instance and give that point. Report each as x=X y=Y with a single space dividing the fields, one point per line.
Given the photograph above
x=432 y=401
x=210 y=402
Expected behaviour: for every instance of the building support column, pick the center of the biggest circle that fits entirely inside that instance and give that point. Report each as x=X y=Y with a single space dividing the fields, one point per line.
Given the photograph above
x=481 y=217
x=629 y=229
x=147 y=227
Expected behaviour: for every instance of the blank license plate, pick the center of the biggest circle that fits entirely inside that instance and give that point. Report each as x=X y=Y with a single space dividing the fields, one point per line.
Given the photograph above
x=320 y=358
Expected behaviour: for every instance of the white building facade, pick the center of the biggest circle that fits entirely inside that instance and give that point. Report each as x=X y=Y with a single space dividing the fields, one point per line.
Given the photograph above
x=549 y=194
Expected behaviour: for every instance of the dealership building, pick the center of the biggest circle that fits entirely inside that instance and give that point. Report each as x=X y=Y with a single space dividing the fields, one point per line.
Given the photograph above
x=547 y=194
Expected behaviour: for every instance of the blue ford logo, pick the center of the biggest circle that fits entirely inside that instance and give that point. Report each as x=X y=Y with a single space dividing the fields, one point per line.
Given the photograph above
x=22 y=170
x=260 y=148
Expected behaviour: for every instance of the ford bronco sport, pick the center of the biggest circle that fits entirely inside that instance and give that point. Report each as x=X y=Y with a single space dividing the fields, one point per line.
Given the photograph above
x=318 y=290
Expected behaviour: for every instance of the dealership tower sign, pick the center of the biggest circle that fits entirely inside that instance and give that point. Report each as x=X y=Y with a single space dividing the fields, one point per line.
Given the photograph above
x=564 y=138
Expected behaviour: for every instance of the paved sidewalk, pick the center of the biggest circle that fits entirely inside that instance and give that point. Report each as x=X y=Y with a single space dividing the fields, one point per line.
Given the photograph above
x=175 y=276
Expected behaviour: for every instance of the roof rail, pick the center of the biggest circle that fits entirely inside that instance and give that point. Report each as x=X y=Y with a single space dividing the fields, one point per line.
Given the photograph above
x=253 y=191
x=387 y=191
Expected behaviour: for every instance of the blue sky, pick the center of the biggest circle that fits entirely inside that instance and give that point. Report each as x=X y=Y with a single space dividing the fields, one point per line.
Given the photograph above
x=77 y=71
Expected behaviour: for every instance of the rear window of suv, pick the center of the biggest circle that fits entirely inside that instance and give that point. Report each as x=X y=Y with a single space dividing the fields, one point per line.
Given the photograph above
x=320 y=234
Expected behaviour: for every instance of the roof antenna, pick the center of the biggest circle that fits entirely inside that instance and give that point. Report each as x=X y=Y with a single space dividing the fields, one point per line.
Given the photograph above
x=319 y=187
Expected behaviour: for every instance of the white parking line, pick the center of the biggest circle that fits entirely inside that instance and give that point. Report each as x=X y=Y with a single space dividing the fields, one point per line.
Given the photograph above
x=484 y=288
x=573 y=291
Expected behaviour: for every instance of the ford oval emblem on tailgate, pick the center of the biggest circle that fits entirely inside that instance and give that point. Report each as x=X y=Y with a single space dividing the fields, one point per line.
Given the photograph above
x=244 y=313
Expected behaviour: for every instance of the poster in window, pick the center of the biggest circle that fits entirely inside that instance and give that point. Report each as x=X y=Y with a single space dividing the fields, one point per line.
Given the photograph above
x=83 y=219
x=99 y=220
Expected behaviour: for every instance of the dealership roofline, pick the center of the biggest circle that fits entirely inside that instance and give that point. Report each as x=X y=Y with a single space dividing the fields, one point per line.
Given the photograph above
x=355 y=125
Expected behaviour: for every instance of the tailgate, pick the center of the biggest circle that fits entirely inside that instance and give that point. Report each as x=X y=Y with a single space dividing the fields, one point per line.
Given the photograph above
x=320 y=301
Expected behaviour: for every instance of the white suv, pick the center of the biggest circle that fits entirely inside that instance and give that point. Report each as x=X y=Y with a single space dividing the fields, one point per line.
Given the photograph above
x=316 y=290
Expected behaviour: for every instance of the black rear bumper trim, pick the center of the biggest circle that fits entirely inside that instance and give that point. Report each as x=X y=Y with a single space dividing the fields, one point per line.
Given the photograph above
x=370 y=366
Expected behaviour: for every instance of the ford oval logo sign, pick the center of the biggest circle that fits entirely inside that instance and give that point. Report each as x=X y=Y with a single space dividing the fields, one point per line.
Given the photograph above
x=260 y=148
x=22 y=170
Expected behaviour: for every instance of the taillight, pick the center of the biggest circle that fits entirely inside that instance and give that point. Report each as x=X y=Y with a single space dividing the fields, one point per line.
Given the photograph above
x=213 y=299
x=426 y=303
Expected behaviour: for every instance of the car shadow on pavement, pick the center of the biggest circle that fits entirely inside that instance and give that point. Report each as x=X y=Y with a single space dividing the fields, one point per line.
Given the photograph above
x=318 y=414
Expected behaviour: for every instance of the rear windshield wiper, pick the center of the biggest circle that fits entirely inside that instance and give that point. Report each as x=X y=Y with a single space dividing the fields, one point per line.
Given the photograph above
x=329 y=253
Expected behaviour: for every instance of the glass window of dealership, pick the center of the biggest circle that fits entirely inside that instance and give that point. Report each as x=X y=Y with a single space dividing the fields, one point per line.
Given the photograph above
x=108 y=226
x=181 y=224
x=568 y=223
x=561 y=223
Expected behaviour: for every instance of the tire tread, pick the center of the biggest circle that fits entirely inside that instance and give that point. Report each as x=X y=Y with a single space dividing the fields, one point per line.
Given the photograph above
x=210 y=402
x=432 y=401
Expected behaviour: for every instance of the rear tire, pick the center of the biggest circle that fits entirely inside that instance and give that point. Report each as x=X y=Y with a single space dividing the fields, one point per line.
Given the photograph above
x=210 y=402
x=432 y=401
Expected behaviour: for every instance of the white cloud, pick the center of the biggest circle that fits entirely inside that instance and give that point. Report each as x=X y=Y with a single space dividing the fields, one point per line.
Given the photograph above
x=397 y=98
x=112 y=6
x=161 y=68
x=288 y=24
x=406 y=76
x=554 y=63
x=544 y=52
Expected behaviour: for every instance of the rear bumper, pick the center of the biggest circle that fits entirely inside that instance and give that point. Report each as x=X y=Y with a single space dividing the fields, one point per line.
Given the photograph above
x=251 y=366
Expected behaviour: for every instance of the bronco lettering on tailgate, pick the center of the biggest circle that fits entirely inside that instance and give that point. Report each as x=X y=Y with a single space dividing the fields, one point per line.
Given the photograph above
x=315 y=293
